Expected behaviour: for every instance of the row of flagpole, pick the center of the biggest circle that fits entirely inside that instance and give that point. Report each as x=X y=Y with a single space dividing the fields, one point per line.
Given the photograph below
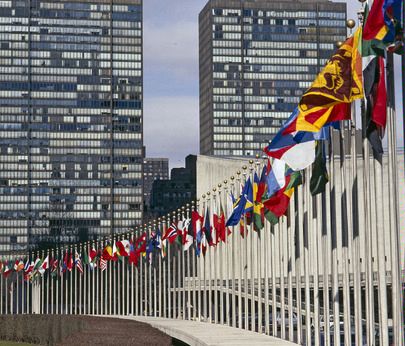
x=276 y=281
x=328 y=274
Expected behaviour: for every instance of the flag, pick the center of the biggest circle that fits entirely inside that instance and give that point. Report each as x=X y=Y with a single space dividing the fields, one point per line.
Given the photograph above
x=339 y=82
x=187 y=241
x=123 y=248
x=375 y=93
x=28 y=268
x=86 y=257
x=259 y=188
x=137 y=248
x=7 y=269
x=276 y=177
x=115 y=255
x=107 y=253
x=54 y=267
x=78 y=262
x=171 y=233
x=278 y=203
x=185 y=237
x=221 y=231
x=37 y=266
x=93 y=256
x=207 y=229
x=44 y=266
x=294 y=148
x=151 y=246
x=197 y=220
x=162 y=244
x=243 y=204
x=18 y=265
x=319 y=177
x=383 y=22
x=103 y=264
x=70 y=262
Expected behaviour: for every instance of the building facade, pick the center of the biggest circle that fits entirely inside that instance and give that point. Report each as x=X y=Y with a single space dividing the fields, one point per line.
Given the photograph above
x=153 y=169
x=70 y=120
x=168 y=195
x=257 y=57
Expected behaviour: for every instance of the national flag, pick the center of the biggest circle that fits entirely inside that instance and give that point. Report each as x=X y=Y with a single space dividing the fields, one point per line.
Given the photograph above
x=243 y=204
x=85 y=256
x=18 y=265
x=115 y=255
x=93 y=256
x=259 y=187
x=70 y=263
x=37 y=265
x=107 y=252
x=339 y=82
x=197 y=220
x=295 y=148
x=151 y=246
x=375 y=93
x=132 y=254
x=319 y=177
x=207 y=229
x=383 y=21
x=162 y=244
x=171 y=233
x=276 y=177
x=137 y=249
x=54 y=267
x=44 y=266
x=7 y=268
x=123 y=247
x=103 y=264
x=221 y=231
x=187 y=240
x=278 y=203
x=28 y=268
x=78 y=262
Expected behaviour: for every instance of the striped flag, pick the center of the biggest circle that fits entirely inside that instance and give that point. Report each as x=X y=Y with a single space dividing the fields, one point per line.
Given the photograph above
x=103 y=264
x=78 y=263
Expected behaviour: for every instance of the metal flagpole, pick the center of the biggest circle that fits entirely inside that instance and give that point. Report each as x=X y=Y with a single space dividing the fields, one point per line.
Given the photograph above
x=183 y=266
x=397 y=288
x=164 y=271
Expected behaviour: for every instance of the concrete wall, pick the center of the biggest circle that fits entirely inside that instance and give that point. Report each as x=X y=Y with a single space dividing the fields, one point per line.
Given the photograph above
x=278 y=245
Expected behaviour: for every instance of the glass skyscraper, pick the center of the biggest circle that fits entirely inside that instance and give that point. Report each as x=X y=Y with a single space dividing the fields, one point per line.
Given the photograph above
x=70 y=120
x=257 y=57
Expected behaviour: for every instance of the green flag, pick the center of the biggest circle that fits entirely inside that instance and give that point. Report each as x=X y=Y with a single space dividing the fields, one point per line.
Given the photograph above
x=319 y=177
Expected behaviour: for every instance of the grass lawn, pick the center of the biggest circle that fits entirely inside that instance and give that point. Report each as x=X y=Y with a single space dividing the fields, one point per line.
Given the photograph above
x=11 y=343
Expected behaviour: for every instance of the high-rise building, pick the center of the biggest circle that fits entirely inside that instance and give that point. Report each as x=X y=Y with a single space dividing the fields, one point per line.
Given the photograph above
x=257 y=57
x=70 y=120
x=153 y=169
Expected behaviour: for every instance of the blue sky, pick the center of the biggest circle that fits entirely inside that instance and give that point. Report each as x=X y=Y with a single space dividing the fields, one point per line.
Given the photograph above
x=171 y=113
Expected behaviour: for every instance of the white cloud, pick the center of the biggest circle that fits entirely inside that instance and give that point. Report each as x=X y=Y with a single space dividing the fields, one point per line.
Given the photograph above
x=171 y=127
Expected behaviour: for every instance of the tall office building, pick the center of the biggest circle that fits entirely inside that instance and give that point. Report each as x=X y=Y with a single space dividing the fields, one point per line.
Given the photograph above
x=70 y=120
x=257 y=57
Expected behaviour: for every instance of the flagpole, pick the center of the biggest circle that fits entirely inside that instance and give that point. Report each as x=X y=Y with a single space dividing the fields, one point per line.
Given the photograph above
x=394 y=212
x=224 y=258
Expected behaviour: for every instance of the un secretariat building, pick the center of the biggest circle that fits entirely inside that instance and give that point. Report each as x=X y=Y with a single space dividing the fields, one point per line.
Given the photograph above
x=257 y=57
x=70 y=120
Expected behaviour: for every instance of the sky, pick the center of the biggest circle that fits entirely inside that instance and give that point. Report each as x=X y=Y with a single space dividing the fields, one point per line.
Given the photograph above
x=171 y=105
